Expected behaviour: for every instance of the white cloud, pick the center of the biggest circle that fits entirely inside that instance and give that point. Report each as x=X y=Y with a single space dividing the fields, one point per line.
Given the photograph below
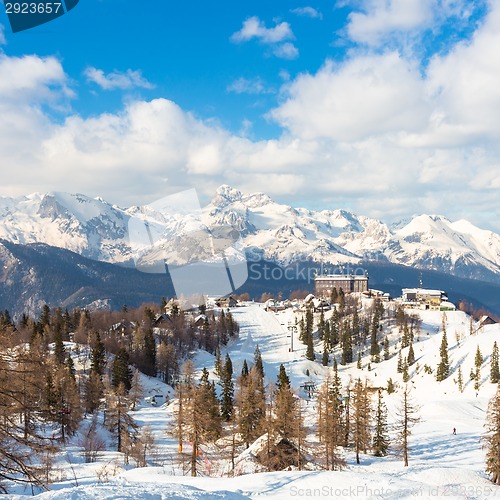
x=373 y=134
x=376 y=23
x=3 y=40
x=286 y=51
x=249 y=86
x=254 y=28
x=307 y=12
x=117 y=80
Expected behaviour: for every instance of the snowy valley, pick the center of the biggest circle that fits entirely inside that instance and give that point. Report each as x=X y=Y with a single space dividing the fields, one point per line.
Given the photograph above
x=440 y=463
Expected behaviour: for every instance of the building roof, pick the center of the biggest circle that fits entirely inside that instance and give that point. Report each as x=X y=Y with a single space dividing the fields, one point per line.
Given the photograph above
x=339 y=277
x=423 y=291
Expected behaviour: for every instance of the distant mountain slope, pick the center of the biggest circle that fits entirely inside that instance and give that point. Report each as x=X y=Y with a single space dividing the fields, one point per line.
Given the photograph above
x=269 y=230
x=32 y=275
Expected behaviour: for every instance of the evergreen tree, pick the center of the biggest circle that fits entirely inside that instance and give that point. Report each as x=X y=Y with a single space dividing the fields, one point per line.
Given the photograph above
x=227 y=397
x=244 y=369
x=121 y=373
x=494 y=369
x=387 y=354
x=258 y=362
x=374 y=346
x=411 y=356
x=149 y=353
x=406 y=375
x=381 y=437
x=335 y=328
x=98 y=356
x=283 y=380
x=218 y=362
x=310 y=348
x=346 y=344
x=358 y=364
x=478 y=361
x=443 y=369
x=400 y=363
x=59 y=350
x=325 y=358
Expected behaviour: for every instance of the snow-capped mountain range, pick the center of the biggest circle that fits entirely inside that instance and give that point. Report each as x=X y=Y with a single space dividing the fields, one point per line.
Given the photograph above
x=280 y=233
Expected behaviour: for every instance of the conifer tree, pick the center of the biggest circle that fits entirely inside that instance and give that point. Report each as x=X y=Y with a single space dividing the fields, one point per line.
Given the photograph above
x=321 y=325
x=98 y=356
x=460 y=380
x=443 y=369
x=218 y=362
x=335 y=328
x=374 y=347
x=258 y=362
x=411 y=356
x=407 y=417
x=346 y=344
x=360 y=419
x=310 y=348
x=121 y=373
x=406 y=375
x=494 y=369
x=226 y=381
x=478 y=361
x=331 y=421
x=118 y=419
x=149 y=354
x=358 y=364
x=380 y=437
x=400 y=363
x=387 y=354
x=59 y=350
x=492 y=438
x=244 y=369
x=325 y=358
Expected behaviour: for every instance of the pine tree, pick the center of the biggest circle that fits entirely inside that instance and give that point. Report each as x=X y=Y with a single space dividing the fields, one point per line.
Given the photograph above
x=227 y=397
x=387 y=354
x=244 y=369
x=400 y=363
x=121 y=372
x=218 y=362
x=381 y=437
x=346 y=344
x=406 y=375
x=325 y=358
x=310 y=348
x=494 y=369
x=492 y=438
x=443 y=369
x=359 y=366
x=59 y=350
x=411 y=356
x=98 y=356
x=258 y=362
x=478 y=361
x=149 y=353
x=374 y=347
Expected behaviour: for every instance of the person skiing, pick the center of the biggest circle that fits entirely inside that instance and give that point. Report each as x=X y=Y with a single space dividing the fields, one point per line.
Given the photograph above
x=454 y=431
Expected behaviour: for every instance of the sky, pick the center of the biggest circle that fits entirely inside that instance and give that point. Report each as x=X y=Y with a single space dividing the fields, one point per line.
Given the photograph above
x=388 y=108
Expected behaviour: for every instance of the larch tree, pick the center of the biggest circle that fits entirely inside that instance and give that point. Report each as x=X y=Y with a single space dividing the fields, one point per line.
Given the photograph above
x=492 y=438
x=407 y=417
x=360 y=418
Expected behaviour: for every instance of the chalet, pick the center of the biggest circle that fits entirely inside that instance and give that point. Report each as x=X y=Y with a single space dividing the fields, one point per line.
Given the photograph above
x=226 y=302
x=348 y=283
x=163 y=320
x=486 y=320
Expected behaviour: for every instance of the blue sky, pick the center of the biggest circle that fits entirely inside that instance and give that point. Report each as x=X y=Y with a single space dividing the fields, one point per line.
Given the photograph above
x=384 y=107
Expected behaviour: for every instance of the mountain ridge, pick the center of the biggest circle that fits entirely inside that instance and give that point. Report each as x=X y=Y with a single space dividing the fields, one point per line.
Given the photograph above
x=279 y=233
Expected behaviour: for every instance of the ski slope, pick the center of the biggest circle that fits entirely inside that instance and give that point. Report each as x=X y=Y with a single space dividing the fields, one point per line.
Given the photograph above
x=441 y=464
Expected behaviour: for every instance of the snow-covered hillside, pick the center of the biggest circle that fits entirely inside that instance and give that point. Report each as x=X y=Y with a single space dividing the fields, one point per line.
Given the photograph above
x=279 y=233
x=441 y=463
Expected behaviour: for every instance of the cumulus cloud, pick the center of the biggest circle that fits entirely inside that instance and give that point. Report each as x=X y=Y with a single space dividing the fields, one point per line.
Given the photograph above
x=116 y=79
x=249 y=86
x=307 y=12
x=374 y=134
x=253 y=27
x=286 y=51
x=376 y=23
